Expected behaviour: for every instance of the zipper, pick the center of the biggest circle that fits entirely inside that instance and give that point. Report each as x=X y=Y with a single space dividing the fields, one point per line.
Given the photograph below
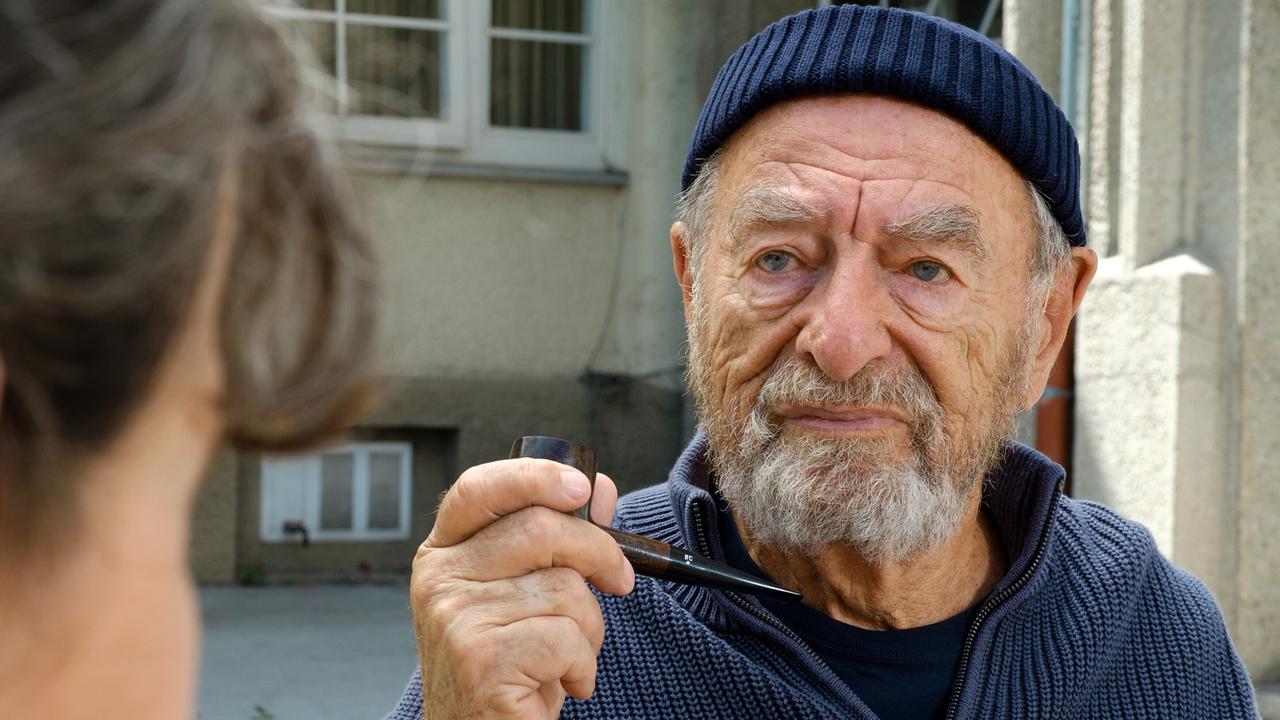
x=705 y=547
x=971 y=637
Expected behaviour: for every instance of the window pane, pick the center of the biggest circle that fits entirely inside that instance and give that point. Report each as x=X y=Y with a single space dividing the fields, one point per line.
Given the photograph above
x=317 y=40
x=320 y=39
x=384 y=491
x=335 y=491
x=535 y=85
x=555 y=15
x=395 y=71
x=404 y=8
x=304 y=4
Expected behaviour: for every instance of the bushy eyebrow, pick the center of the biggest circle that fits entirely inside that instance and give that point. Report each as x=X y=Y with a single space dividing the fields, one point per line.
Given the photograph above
x=764 y=206
x=953 y=225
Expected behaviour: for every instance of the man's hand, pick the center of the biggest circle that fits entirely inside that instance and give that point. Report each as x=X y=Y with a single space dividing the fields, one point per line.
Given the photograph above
x=505 y=623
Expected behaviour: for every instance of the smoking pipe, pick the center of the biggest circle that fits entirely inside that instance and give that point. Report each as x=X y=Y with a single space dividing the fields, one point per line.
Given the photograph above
x=648 y=556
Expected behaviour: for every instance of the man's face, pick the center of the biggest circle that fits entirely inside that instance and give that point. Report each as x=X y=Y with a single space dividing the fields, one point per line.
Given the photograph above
x=860 y=326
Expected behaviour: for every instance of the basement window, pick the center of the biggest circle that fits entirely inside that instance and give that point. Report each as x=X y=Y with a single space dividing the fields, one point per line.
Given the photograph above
x=359 y=492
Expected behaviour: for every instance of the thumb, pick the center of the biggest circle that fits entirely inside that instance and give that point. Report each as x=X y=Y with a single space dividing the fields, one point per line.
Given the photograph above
x=604 y=500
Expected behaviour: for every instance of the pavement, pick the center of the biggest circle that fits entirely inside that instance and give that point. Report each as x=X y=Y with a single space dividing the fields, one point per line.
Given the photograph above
x=1269 y=702
x=328 y=652
x=318 y=652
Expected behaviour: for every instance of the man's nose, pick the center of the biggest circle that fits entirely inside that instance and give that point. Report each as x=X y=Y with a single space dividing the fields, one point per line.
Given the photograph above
x=844 y=327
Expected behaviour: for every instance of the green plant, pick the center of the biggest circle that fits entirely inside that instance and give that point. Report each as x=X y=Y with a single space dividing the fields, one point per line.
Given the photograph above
x=254 y=574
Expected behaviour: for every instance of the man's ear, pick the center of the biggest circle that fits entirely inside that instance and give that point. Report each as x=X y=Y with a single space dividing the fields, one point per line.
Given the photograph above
x=1064 y=300
x=682 y=262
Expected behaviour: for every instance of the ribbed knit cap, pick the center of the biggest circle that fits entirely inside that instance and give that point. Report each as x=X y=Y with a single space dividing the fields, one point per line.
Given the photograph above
x=916 y=57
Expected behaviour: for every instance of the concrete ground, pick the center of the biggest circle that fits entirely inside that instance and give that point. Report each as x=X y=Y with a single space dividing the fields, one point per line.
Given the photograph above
x=1269 y=702
x=322 y=652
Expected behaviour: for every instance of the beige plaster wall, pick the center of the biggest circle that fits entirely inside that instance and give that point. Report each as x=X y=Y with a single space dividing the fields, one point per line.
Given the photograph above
x=553 y=278
x=517 y=306
x=213 y=522
x=675 y=48
x=491 y=278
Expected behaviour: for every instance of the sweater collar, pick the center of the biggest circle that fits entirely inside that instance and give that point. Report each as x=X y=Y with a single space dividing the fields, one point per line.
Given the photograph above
x=1019 y=495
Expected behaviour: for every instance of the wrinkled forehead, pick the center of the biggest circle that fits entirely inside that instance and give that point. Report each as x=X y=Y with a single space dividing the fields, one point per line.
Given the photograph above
x=893 y=158
x=860 y=132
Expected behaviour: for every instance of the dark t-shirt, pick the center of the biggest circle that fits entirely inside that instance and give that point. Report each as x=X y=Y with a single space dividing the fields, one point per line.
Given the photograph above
x=899 y=674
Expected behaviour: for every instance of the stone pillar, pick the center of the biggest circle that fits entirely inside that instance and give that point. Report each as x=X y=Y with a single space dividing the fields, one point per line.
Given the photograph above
x=1153 y=117
x=1177 y=392
x=1033 y=33
x=213 y=522
x=1101 y=196
x=1149 y=369
x=1148 y=440
x=1259 y=317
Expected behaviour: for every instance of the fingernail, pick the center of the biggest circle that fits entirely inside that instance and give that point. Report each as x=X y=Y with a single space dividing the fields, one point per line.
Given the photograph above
x=575 y=485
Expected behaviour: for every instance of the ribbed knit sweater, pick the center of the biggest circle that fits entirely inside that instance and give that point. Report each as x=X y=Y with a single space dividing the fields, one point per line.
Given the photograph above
x=1090 y=622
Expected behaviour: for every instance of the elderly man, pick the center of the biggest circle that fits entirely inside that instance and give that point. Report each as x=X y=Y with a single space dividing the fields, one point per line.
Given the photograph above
x=880 y=248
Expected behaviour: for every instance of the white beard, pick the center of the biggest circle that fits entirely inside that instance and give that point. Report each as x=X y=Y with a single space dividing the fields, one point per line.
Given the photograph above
x=799 y=491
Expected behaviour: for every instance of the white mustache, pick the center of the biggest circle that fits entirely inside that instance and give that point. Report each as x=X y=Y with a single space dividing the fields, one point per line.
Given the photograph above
x=796 y=382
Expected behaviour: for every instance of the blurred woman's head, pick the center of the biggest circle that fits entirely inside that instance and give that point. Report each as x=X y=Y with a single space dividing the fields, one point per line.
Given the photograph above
x=133 y=135
x=179 y=265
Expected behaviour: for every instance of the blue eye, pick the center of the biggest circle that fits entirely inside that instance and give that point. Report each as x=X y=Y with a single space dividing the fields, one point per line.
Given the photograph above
x=926 y=271
x=775 y=261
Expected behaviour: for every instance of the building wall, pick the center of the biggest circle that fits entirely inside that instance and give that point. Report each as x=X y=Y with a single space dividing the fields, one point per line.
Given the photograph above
x=522 y=301
x=434 y=466
x=492 y=278
x=214 y=521
x=1177 y=396
x=1258 y=578
x=1032 y=31
x=546 y=304
x=500 y=329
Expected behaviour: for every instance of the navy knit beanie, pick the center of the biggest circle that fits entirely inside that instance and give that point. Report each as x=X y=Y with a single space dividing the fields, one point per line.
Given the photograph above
x=916 y=57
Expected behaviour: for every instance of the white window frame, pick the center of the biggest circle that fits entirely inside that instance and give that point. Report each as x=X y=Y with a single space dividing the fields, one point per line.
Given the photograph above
x=448 y=131
x=464 y=134
x=581 y=150
x=271 y=525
